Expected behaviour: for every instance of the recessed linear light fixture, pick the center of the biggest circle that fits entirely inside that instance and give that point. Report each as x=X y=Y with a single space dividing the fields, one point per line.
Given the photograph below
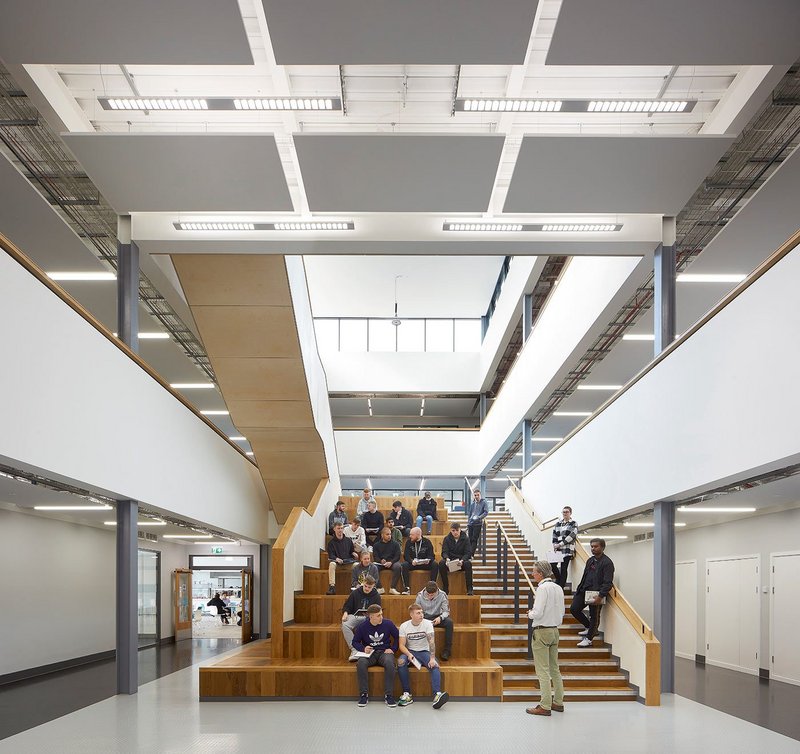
x=72 y=507
x=186 y=536
x=532 y=227
x=82 y=276
x=150 y=335
x=607 y=536
x=192 y=385
x=547 y=439
x=139 y=523
x=520 y=105
x=220 y=103
x=611 y=388
x=572 y=413
x=238 y=439
x=709 y=278
x=638 y=336
x=249 y=453
x=280 y=227
x=646 y=524
x=215 y=413
x=695 y=509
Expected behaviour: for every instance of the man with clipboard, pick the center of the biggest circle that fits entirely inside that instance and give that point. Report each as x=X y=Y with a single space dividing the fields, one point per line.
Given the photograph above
x=595 y=585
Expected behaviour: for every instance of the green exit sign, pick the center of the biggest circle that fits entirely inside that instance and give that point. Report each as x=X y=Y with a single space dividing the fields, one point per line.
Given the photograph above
x=216 y=551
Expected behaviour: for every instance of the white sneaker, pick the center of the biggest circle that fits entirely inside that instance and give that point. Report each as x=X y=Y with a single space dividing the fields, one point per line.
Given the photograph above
x=393 y=591
x=585 y=642
x=405 y=699
x=381 y=590
x=352 y=657
x=585 y=632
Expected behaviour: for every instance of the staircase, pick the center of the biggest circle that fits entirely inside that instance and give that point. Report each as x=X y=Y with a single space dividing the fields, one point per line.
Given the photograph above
x=590 y=674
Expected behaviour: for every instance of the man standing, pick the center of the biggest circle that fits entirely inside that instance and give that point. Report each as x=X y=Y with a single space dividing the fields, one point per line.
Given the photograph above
x=598 y=577
x=565 y=533
x=340 y=553
x=426 y=511
x=378 y=638
x=418 y=648
x=354 y=610
x=366 y=499
x=546 y=616
x=478 y=510
x=372 y=521
x=337 y=516
x=401 y=518
x=456 y=547
x=436 y=609
x=386 y=555
x=418 y=555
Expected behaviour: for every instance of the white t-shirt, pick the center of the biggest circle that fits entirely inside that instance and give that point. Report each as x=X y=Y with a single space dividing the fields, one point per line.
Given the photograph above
x=417 y=636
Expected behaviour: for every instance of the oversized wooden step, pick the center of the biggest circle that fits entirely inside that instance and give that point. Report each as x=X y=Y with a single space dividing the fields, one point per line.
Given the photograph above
x=571 y=680
x=315 y=581
x=593 y=694
x=316 y=608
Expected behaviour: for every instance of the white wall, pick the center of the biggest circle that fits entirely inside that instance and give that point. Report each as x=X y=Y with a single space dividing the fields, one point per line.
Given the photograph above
x=722 y=406
x=764 y=534
x=78 y=408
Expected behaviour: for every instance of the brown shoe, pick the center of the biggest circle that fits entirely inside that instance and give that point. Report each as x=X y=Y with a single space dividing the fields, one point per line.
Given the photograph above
x=557 y=707
x=538 y=710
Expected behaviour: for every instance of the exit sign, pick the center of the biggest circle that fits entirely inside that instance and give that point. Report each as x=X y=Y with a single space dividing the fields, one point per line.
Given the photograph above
x=216 y=551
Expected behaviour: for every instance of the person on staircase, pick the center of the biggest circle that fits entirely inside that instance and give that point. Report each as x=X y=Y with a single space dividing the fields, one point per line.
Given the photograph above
x=598 y=577
x=355 y=532
x=363 y=503
x=477 y=511
x=354 y=611
x=365 y=567
x=401 y=518
x=417 y=556
x=340 y=554
x=378 y=639
x=337 y=516
x=456 y=548
x=546 y=616
x=397 y=535
x=565 y=534
x=426 y=511
x=436 y=609
x=372 y=521
x=418 y=648
x=386 y=555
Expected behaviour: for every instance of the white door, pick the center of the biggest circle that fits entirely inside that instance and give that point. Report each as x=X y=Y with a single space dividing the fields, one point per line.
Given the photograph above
x=686 y=609
x=733 y=613
x=784 y=618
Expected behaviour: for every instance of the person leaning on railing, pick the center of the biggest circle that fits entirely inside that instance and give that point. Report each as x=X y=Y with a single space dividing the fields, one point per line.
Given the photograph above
x=565 y=534
x=477 y=511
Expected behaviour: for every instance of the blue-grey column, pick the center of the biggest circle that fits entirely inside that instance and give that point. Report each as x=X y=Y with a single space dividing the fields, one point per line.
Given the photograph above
x=664 y=512
x=127 y=285
x=482 y=486
x=527 y=445
x=264 y=605
x=482 y=407
x=467 y=496
x=127 y=631
x=484 y=325
x=527 y=316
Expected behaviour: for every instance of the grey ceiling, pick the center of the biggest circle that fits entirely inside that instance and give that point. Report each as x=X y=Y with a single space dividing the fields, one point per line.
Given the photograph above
x=398 y=172
x=340 y=32
x=146 y=32
x=655 y=174
x=184 y=172
x=679 y=32
x=28 y=220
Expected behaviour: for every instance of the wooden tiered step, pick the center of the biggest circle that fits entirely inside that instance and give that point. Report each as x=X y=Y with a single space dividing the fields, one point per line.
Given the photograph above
x=315 y=581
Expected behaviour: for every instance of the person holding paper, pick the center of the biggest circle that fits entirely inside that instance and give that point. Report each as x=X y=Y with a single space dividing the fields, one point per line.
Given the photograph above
x=546 y=616
x=565 y=533
x=436 y=609
x=340 y=553
x=386 y=554
x=365 y=567
x=456 y=556
x=426 y=511
x=598 y=577
x=356 y=534
x=418 y=555
x=372 y=521
x=375 y=642
x=354 y=610
x=418 y=648
x=477 y=511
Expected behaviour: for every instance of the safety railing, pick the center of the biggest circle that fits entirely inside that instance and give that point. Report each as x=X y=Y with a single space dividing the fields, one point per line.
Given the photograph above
x=504 y=544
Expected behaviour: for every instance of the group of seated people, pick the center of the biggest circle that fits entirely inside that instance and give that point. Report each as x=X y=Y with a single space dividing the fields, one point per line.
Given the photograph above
x=350 y=544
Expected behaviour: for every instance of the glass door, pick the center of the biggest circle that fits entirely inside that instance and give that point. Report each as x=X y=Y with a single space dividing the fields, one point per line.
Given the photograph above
x=149 y=613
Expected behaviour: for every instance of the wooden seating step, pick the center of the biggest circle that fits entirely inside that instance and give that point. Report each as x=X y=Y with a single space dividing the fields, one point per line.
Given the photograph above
x=318 y=608
x=571 y=680
x=511 y=653
x=315 y=581
x=594 y=694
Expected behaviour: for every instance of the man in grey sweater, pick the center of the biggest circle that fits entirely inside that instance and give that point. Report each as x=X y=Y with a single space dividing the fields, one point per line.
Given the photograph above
x=436 y=608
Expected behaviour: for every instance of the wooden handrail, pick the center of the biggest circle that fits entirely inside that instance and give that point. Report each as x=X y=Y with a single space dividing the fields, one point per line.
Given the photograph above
x=514 y=553
x=19 y=256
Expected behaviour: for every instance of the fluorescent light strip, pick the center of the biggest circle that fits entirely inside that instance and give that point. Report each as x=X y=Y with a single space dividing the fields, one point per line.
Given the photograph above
x=527 y=105
x=149 y=335
x=132 y=104
x=186 y=536
x=288 y=103
x=192 y=385
x=215 y=226
x=638 y=336
x=638 y=106
x=645 y=524
x=154 y=103
x=572 y=413
x=215 y=413
x=485 y=227
x=290 y=226
x=250 y=453
x=587 y=537
x=238 y=439
x=709 y=278
x=294 y=226
x=72 y=507
x=509 y=105
x=139 y=523
x=547 y=439
x=217 y=544
x=580 y=227
x=600 y=387
x=493 y=227
x=695 y=509
x=81 y=276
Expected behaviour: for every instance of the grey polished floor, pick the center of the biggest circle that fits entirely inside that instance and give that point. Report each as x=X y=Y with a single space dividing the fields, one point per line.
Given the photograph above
x=26 y=704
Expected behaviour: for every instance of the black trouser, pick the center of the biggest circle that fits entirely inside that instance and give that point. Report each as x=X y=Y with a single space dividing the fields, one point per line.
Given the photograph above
x=433 y=567
x=561 y=571
x=397 y=574
x=474 y=534
x=376 y=658
x=577 y=608
x=444 y=572
x=447 y=625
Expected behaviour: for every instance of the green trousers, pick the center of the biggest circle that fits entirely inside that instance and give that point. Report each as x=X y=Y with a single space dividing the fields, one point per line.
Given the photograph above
x=545 y=656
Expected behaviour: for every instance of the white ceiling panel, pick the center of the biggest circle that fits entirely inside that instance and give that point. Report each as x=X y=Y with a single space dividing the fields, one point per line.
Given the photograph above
x=398 y=172
x=680 y=32
x=148 y=32
x=655 y=174
x=346 y=32
x=184 y=172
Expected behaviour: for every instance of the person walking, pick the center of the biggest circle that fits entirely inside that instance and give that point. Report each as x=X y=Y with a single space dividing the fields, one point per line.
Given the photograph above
x=565 y=534
x=598 y=578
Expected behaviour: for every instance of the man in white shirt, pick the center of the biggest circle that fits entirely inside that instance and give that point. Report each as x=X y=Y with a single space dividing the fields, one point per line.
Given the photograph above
x=546 y=616
x=366 y=498
x=356 y=534
x=418 y=648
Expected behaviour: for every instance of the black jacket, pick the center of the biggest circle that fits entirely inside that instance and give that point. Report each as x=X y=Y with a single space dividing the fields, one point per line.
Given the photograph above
x=597 y=576
x=358 y=600
x=372 y=521
x=456 y=549
x=385 y=551
x=427 y=508
x=340 y=548
x=422 y=550
x=402 y=521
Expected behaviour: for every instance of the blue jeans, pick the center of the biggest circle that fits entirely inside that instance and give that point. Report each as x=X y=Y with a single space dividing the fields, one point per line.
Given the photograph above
x=429 y=519
x=424 y=658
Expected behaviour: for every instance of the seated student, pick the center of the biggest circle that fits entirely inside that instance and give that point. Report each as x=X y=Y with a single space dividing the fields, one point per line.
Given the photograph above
x=418 y=555
x=426 y=511
x=401 y=518
x=356 y=534
x=365 y=567
x=337 y=516
x=366 y=498
x=378 y=638
x=436 y=609
x=222 y=610
x=456 y=547
x=396 y=535
x=386 y=554
x=418 y=647
x=372 y=521
x=340 y=553
x=355 y=609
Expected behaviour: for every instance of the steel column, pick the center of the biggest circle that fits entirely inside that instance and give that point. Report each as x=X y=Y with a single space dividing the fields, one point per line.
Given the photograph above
x=483 y=542
x=664 y=590
x=127 y=285
x=527 y=316
x=505 y=566
x=516 y=592
x=127 y=599
x=482 y=486
x=527 y=445
x=664 y=288
x=482 y=407
x=499 y=558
